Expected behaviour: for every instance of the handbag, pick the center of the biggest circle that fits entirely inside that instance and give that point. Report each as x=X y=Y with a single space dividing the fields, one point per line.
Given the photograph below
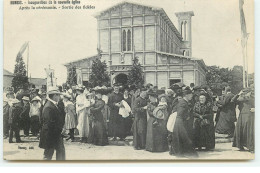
x=171 y=122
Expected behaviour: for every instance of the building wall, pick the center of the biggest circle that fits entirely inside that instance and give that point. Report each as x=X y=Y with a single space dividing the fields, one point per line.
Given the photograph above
x=127 y=30
x=7 y=81
x=132 y=28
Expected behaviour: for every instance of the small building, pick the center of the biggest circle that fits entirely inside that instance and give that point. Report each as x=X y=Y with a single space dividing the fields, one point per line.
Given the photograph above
x=7 y=78
x=165 y=52
x=38 y=83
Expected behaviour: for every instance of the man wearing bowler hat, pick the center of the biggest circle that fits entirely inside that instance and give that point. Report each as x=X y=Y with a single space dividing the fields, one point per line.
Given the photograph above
x=50 y=137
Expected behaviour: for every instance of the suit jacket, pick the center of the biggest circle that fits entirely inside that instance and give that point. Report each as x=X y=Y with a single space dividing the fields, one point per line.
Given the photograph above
x=112 y=100
x=52 y=124
x=15 y=115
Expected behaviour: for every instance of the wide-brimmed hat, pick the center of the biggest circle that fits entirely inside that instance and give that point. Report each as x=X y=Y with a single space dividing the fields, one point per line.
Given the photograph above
x=116 y=84
x=26 y=98
x=161 y=96
x=80 y=87
x=159 y=92
x=187 y=91
x=99 y=91
x=53 y=90
x=151 y=93
x=67 y=95
x=15 y=101
x=37 y=98
x=33 y=91
x=169 y=91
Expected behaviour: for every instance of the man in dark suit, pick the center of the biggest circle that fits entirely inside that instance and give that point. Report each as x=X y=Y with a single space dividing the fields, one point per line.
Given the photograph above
x=14 y=120
x=116 y=120
x=52 y=124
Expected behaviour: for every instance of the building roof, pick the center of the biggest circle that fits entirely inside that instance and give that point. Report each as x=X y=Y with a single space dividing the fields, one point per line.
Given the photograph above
x=82 y=59
x=7 y=73
x=157 y=9
x=200 y=61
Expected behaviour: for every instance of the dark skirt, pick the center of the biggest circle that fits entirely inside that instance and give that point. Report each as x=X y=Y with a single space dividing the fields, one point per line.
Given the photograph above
x=244 y=131
x=204 y=136
x=35 y=124
x=139 y=133
x=226 y=124
x=99 y=133
x=156 y=137
x=116 y=125
x=180 y=142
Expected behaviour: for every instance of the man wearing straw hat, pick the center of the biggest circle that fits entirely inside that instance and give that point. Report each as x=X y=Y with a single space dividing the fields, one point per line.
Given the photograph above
x=52 y=125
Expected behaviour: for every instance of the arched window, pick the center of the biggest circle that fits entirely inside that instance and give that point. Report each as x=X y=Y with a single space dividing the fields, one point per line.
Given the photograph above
x=185 y=30
x=184 y=52
x=129 y=42
x=182 y=30
x=124 y=40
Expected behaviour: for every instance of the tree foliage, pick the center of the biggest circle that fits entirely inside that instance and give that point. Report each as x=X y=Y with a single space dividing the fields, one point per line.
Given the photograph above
x=218 y=77
x=72 y=76
x=99 y=75
x=20 y=79
x=135 y=74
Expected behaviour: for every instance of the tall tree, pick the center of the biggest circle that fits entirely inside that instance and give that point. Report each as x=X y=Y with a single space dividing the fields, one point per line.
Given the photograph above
x=72 y=76
x=20 y=79
x=99 y=75
x=135 y=74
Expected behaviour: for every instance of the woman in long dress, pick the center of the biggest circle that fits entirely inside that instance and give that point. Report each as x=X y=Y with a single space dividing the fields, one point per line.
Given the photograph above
x=99 y=133
x=204 y=131
x=244 y=131
x=156 y=137
x=70 y=117
x=35 y=115
x=181 y=144
x=82 y=108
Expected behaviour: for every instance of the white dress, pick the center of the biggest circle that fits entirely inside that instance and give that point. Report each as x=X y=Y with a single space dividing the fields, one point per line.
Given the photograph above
x=82 y=109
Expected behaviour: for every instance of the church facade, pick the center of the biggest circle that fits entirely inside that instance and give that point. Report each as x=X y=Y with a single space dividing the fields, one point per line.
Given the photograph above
x=165 y=52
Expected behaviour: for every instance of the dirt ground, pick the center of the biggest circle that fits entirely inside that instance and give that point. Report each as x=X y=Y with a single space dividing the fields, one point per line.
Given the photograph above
x=29 y=150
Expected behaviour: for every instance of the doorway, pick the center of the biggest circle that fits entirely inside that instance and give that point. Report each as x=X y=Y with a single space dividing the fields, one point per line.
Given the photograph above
x=121 y=78
x=174 y=81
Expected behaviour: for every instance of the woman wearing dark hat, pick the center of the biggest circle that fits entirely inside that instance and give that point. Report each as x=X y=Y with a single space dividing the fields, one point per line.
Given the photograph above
x=245 y=127
x=156 y=138
x=99 y=133
x=203 y=124
x=181 y=144
x=227 y=116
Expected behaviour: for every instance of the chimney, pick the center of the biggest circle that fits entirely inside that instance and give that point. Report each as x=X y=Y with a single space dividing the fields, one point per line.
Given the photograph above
x=184 y=19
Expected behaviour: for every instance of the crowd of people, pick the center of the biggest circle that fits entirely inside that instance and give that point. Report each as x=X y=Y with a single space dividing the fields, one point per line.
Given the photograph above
x=181 y=119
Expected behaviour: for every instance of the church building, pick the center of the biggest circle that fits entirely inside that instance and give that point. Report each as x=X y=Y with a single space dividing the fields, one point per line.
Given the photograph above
x=165 y=52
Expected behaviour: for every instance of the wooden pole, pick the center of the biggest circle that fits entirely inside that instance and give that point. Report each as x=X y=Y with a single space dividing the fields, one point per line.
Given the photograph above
x=246 y=59
x=28 y=60
x=244 y=81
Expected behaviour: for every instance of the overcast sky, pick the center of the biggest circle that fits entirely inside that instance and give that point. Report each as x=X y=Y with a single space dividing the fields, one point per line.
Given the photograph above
x=60 y=36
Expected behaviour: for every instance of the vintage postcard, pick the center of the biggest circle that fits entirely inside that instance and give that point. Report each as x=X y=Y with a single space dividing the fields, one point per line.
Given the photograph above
x=103 y=80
